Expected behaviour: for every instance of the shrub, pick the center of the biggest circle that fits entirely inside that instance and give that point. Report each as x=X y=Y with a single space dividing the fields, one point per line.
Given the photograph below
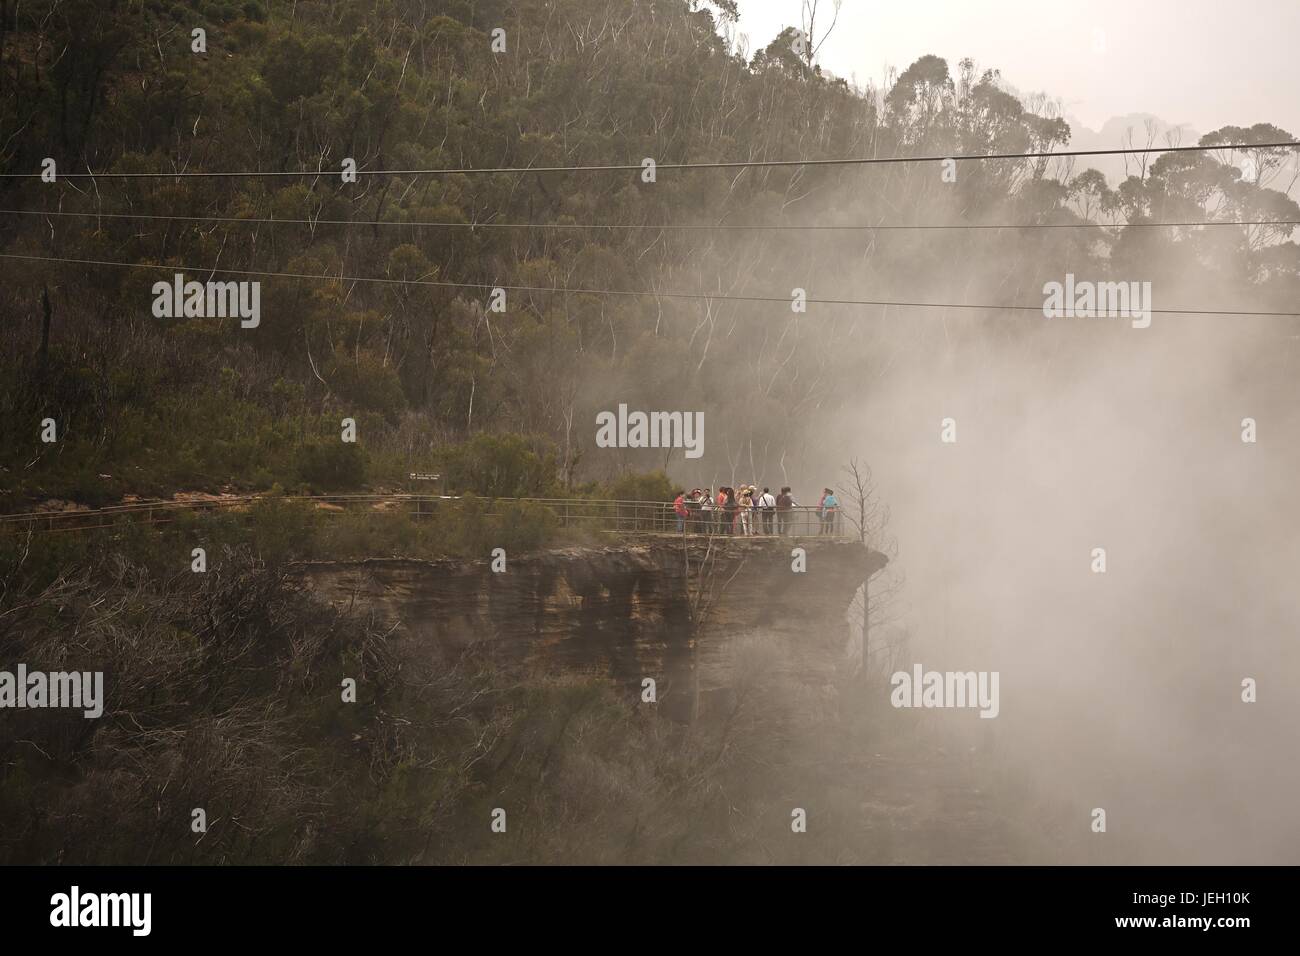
x=641 y=486
x=501 y=466
x=331 y=465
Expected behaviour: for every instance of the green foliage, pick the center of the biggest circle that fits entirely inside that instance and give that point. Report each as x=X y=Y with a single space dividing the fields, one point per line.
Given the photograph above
x=165 y=405
x=479 y=525
x=331 y=465
x=277 y=529
x=365 y=383
x=654 y=486
x=500 y=466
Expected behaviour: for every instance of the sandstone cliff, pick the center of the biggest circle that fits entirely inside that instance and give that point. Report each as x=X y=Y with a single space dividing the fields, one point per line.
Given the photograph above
x=672 y=610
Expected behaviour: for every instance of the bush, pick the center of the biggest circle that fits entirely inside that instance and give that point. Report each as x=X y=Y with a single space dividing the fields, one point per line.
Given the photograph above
x=367 y=383
x=641 y=486
x=331 y=465
x=478 y=525
x=281 y=530
x=501 y=466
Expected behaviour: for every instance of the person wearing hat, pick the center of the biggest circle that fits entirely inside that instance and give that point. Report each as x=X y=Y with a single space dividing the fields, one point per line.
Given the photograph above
x=746 y=510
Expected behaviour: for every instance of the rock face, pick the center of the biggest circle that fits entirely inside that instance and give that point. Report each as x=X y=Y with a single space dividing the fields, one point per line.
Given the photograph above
x=673 y=611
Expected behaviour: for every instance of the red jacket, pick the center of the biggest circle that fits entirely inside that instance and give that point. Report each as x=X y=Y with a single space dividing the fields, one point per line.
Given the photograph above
x=679 y=505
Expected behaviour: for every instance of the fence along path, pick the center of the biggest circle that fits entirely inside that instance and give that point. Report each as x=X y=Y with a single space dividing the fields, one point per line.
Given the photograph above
x=595 y=514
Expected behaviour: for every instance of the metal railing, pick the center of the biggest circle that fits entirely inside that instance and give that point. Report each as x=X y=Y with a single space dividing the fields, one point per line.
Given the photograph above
x=594 y=514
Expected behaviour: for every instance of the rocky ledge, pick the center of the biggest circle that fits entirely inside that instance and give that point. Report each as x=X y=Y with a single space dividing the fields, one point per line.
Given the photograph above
x=676 y=610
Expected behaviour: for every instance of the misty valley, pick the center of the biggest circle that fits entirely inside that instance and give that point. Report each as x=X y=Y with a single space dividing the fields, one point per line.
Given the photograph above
x=358 y=508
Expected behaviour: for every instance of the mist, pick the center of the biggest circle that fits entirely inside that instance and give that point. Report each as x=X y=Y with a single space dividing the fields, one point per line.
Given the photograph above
x=536 y=272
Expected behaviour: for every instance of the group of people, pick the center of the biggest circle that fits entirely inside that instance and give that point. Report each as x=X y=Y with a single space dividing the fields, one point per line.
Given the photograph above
x=745 y=511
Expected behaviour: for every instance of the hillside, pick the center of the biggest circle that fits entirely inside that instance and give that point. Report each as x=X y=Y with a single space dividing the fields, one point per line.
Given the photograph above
x=148 y=405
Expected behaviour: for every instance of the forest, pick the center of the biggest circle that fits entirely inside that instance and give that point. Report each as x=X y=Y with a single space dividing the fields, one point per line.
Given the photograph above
x=377 y=306
x=434 y=380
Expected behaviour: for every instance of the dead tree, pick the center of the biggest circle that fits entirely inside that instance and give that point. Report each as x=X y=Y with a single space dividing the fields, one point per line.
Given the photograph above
x=869 y=519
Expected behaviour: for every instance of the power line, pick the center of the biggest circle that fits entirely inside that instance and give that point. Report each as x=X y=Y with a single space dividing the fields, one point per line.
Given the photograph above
x=669 y=227
x=699 y=296
x=636 y=167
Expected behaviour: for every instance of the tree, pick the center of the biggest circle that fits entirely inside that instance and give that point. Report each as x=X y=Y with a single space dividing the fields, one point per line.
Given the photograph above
x=869 y=518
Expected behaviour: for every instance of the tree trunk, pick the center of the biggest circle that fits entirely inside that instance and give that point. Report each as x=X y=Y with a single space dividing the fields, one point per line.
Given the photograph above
x=42 y=356
x=866 y=632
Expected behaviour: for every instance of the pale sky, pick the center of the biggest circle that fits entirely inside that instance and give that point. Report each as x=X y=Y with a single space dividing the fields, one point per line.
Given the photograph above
x=1203 y=63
